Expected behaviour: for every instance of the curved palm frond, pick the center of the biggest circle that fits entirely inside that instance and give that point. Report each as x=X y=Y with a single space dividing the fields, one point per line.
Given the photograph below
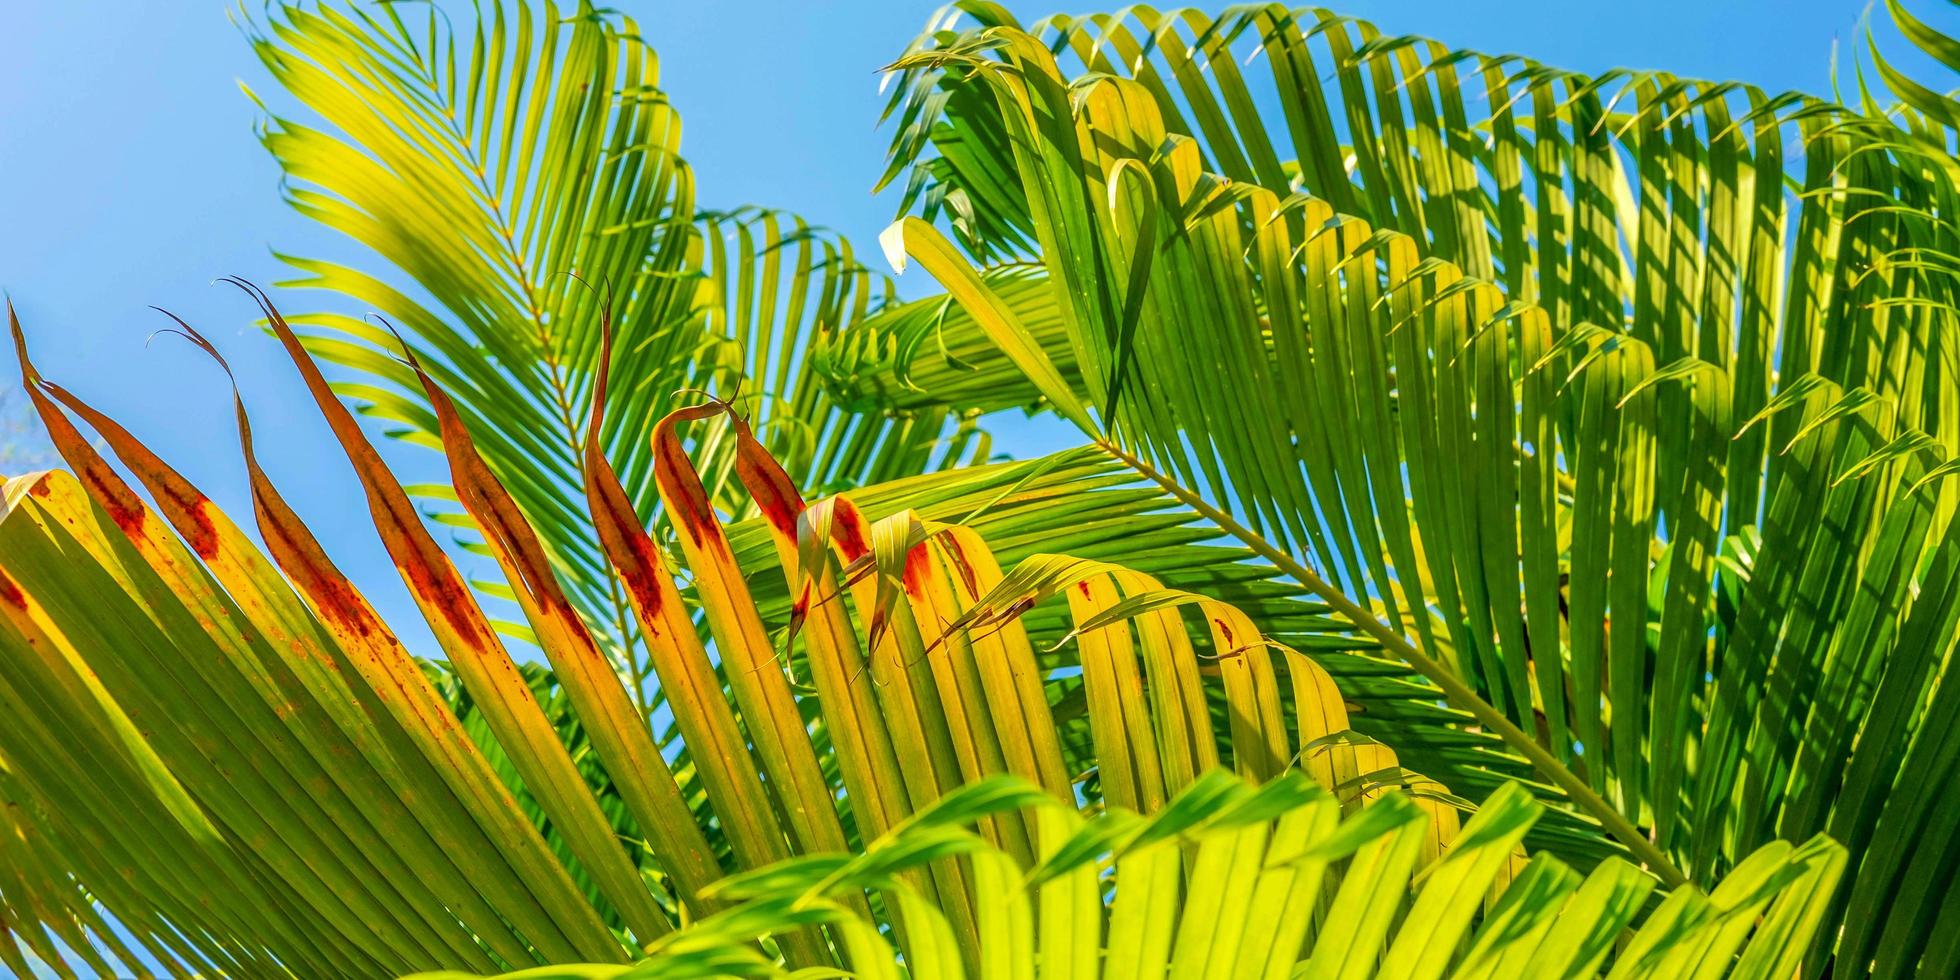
x=929 y=353
x=1229 y=880
x=1584 y=439
x=192 y=708
x=1565 y=400
x=521 y=173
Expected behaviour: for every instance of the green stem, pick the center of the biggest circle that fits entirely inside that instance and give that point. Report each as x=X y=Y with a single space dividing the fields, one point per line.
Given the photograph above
x=1458 y=693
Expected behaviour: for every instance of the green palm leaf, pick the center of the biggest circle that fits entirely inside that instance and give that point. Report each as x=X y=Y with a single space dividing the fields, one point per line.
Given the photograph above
x=1554 y=392
x=1232 y=881
x=1463 y=430
x=518 y=175
x=195 y=709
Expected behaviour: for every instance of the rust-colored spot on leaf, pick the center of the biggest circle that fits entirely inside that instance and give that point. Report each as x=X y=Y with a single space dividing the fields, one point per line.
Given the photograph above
x=198 y=529
x=848 y=532
x=961 y=564
x=917 y=561
x=447 y=594
x=799 y=611
x=680 y=488
x=774 y=492
x=331 y=593
x=182 y=504
x=646 y=591
x=339 y=604
x=625 y=541
x=107 y=489
x=115 y=498
x=632 y=552
x=781 y=511
x=10 y=592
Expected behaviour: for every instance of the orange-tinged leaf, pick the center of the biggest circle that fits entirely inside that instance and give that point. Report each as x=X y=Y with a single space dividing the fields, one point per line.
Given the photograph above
x=753 y=669
x=308 y=679
x=728 y=771
x=903 y=680
x=618 y=731
x=887 y=781
x=485 y=667
x=694 y=693
x=867 y=760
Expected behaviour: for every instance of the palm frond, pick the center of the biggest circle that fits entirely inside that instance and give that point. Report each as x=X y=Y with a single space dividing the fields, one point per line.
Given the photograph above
x=1563 y=398
x=1229 y=880
x=195 y=709
x=517 y=175
x=1501 y=479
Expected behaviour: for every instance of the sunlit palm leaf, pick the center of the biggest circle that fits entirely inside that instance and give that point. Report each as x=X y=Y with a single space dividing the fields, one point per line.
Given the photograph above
x=191 y=709
x=1231 y=881
x=521 y=173
x=1542 y=370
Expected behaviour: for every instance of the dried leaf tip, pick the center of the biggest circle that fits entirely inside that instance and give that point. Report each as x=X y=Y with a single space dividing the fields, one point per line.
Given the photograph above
x=28 y=376
x=191 y=334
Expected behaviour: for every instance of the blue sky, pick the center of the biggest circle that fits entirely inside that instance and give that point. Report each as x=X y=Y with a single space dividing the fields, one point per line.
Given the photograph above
x=130 y=176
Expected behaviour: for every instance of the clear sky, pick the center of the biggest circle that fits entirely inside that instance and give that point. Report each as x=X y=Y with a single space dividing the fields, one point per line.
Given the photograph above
x=130 y=176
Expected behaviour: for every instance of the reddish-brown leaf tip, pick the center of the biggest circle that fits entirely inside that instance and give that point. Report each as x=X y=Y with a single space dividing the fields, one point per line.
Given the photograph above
x=28 y=376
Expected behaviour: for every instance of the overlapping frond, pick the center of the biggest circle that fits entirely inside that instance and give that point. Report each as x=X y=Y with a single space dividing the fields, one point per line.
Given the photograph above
x=518 y=173
x=1547 y=377
x=1464 y=429
x=264 y=729
x=1282 y=880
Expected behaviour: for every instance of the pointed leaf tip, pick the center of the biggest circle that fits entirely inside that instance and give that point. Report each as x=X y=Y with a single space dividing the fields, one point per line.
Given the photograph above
x=28 y=376
x=196 y=339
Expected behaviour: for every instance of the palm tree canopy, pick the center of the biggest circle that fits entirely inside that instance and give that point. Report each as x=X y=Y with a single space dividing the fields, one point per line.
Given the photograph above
x=1512 y=535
